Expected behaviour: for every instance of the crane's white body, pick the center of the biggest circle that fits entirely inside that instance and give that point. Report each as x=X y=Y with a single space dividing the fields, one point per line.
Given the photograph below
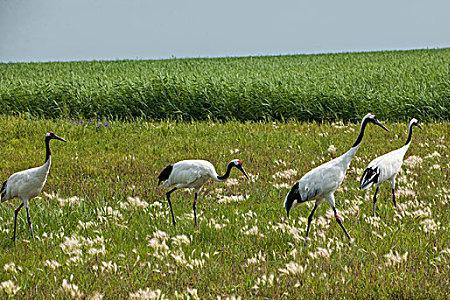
x=27 y=184
x=325 y=179
x=387 y=166
x=191 y=174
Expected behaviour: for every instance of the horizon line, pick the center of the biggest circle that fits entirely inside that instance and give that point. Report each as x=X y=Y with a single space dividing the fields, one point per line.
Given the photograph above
x=256 y=55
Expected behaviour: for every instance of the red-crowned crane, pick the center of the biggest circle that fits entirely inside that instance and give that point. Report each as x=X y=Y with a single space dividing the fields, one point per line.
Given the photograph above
x=27 y=184
x=386 y=167
x=321 y=182
x=193 y=174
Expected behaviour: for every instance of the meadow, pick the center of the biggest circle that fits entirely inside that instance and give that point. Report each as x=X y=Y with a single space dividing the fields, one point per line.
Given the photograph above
x=329 y=87
x=103 y=229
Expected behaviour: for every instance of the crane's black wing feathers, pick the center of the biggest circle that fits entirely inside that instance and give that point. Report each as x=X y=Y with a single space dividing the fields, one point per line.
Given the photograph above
x=164 y=175
x=369 y=176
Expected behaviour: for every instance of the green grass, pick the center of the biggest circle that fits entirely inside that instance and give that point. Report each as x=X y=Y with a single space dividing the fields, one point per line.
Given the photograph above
x=106 y=165
x=395 y=85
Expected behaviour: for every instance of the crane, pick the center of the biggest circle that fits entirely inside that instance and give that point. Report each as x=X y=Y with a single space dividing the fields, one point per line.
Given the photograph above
x=27 y=184
x=193 y=174
x=386 y=167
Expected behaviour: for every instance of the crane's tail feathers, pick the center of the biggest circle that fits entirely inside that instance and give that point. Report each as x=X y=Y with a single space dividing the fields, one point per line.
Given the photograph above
x=293 y=195
x=164 y=175
x=366 y=186
x=3 y=191
x=369 y=177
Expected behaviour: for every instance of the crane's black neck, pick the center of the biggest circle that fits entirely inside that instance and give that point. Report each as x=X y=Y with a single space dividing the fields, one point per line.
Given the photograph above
x=48 y=152
x=227 y=173
x=408 y=140
x=361 y=133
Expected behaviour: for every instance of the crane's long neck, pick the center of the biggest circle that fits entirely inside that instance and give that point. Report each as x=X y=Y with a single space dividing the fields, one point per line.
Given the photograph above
x=348 y=156
x=48 y=152
x=361 y=133
x=408 y=140
x=227 y=173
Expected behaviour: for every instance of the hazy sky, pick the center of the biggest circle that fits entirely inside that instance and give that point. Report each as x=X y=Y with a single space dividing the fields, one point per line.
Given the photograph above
x=56 y=30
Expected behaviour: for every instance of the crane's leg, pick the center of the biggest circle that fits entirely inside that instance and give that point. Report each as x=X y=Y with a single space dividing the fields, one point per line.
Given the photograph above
x=311 y=216
x=16 y=212
x=30 y=226
x=339 y=220
x=375 y=201
x=194 y=207
x=170 y=204
x=393 y=191
x=330 y=199
x=393 y=198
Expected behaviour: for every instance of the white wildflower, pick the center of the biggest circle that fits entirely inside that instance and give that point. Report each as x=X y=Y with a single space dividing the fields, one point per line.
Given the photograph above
x=137 y=202
x=96 y=296
x=50 y=196
x=108 y=266
x=332 y=150
x=181 y=239
x=253 y=177
x=212 y=223
x=287 y=174
x=252 y=231
x=156 y=204
x=231 y=182
x=159 y=234
x=432 y=155
x=435 y=167
x=108 y=213
x=280 y=162
x=394 y=258
x=12 y=268
x=293 y=268
x=264 y=281
x=85 y=225
x=148 y=294
x=260 y=257
x=192 y=292
x=279 y=186
x=9 y=287
x=429 y=225
x=52 y=264
x=232 y=198
x=321 y=252
x=71 y=201
x=413 y=161
x=71 y=289
x=71 y=246
x=406 y=193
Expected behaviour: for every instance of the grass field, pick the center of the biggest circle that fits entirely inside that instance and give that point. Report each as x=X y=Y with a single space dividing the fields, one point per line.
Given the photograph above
x=301 y=87
x=92 y=239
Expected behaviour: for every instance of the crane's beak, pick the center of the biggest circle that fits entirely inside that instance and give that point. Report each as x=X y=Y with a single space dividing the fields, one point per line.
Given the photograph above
x=418 y=125
x=381 y=125
x=243 y=171
x=60 y=138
